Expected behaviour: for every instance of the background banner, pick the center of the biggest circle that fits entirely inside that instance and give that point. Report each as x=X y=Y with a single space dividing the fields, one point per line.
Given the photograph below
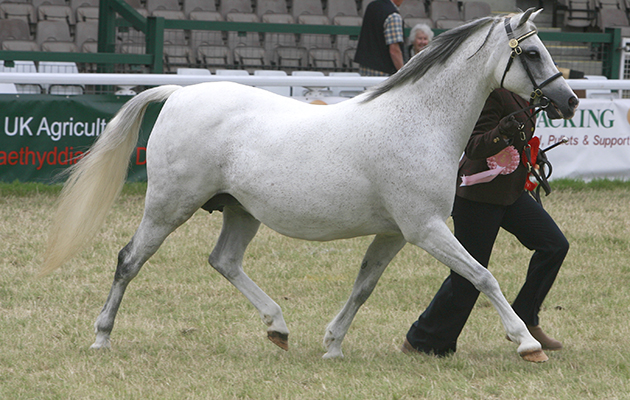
x=41 y=135
x=599 y=141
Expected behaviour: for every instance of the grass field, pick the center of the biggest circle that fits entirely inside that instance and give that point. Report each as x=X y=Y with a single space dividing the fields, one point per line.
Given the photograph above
x=183 y=332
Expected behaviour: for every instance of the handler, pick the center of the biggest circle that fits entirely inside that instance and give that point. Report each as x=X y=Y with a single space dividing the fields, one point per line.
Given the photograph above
x=491 y=195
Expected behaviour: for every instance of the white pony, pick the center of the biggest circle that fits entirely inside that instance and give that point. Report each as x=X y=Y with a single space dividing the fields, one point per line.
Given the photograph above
x=383 y=164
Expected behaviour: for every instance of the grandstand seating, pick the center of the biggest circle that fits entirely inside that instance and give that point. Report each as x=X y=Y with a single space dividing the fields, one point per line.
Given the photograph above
x=74 y=28
x=445 y=14
x=578 y=13
x=415 y=12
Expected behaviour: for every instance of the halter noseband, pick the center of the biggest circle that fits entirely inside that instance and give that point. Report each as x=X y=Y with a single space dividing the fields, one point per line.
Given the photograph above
x=515 y=45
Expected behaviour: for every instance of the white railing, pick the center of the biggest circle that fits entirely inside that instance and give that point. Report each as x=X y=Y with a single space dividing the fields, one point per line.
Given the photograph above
x=254 y=80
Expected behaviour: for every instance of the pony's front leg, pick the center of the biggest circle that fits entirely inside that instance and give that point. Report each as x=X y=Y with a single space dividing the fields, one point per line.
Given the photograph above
x=382 y=250
x=441 y=244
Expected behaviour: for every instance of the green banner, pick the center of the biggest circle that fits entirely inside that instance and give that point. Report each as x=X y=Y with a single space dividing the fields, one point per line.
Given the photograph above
x=42 y=134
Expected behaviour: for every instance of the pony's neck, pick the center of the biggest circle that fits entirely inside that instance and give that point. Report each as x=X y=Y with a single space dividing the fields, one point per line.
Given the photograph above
x=458 y=89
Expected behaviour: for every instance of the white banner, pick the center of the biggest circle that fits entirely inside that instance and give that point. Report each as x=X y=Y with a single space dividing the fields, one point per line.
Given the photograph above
x=599 y=141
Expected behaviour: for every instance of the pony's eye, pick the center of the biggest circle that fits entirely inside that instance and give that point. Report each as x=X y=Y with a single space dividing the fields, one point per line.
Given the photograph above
x=532 y=54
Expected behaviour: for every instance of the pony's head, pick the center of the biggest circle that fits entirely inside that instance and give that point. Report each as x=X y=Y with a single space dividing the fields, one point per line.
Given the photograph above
x=526 y=67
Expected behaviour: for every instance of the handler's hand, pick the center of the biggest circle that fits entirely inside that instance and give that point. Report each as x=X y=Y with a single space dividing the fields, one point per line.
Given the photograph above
x=508 y=128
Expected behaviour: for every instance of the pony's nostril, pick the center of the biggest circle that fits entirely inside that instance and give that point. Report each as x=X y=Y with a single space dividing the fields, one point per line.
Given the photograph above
x=573 y=102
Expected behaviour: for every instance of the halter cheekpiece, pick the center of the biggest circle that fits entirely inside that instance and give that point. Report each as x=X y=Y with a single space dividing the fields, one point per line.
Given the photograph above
x=515 y=45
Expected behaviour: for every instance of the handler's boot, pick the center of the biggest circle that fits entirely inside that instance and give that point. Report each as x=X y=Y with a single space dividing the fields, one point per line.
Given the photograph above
x=548 y=343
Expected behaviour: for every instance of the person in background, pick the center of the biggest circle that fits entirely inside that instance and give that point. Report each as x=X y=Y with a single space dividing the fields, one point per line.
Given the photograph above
x=381 y=40
x=490 y=195
x=419 y=37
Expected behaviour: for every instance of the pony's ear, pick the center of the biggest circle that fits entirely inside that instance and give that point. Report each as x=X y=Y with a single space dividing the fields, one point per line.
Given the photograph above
x=530 y=14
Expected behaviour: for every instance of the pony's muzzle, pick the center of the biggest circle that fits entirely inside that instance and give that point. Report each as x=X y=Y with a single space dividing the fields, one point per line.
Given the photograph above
x=555 y=111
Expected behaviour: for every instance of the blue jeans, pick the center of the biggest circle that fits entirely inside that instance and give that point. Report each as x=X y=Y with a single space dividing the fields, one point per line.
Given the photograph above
x=476 y=227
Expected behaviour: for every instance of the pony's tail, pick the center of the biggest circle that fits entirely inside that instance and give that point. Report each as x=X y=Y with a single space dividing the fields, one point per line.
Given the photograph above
x=96 y=180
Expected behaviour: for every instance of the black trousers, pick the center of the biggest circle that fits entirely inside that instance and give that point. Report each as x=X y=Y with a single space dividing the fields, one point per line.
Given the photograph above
x=476 y=227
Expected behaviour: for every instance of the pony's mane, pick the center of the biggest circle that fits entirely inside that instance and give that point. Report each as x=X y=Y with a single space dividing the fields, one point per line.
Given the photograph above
x=436 y=53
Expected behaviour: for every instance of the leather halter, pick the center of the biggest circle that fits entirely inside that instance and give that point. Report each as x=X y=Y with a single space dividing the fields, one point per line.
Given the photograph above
x=515 y=45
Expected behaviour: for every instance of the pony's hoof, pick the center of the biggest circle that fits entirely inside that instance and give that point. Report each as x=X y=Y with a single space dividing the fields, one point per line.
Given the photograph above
x=333 y=354
x=102 y=342
x=537 y=356
x=100 y=347
x=279 y=339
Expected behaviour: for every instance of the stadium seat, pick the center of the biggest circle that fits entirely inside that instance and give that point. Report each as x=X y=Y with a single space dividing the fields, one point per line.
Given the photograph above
x=74 y=4
x=177 y=56
x=87 y=14
x=445 y=14
x=298 y=91
x=413 y=9
x=346 y=8
x=346 y=91
x=56 y=31
x=231 y=72
x=314 y=40
x=59 y=47
x=20 y=45
x=414 y=12
x=212 y=40
x=249 y=38
x=235 y=6
x=23 y=11
x=171 y=5
x=37 y=3
x=85 y=31
x=309 y=7
x=324 y=59
x=50 y=12
x=281 y=90
x=27 y=67
x=249 y=57
x=8 y=88
x=173 y=36
x=271 y=7
x=193 y=71
x=191 y=7
x=14 y=29
x=347 y=44
x=579 y=13
x=273 y=40
x=475 y=10
x=611 y=18
x=58 y=67
x=213 y=56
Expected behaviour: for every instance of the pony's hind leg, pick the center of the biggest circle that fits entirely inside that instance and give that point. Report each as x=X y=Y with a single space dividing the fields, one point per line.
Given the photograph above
x=382 y=250
x=159 y=220
x=239 y=228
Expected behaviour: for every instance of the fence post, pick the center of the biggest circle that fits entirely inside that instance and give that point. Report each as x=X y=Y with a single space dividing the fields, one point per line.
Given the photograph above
x=106 y=32
x=155 y=41
x=613 y=56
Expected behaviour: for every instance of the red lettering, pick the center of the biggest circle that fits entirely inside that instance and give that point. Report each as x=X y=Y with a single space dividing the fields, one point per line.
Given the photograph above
x=52 y=154
x=14 y=157
x=141 y=155
x=65 y=157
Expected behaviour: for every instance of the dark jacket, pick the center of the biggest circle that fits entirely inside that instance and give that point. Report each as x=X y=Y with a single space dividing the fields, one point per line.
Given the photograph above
x=372 y=51
x=486 y=141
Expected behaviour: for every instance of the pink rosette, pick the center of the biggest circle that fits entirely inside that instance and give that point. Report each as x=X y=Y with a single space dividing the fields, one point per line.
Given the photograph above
x=508 y=159
x=503 y=163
